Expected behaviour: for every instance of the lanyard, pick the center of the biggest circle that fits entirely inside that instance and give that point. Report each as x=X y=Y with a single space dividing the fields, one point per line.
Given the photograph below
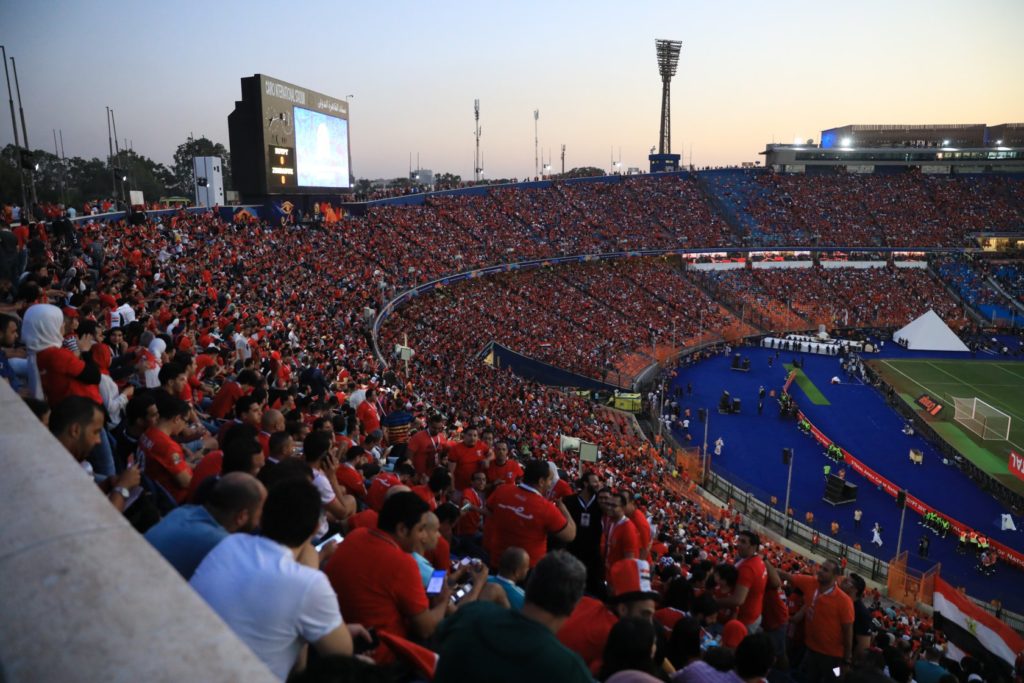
x=814 y=600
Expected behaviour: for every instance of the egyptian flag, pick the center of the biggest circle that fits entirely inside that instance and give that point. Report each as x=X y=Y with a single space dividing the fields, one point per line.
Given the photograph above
x=972 y=629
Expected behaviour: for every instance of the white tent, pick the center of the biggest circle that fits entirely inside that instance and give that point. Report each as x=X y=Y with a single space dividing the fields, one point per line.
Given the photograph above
x=929 y=333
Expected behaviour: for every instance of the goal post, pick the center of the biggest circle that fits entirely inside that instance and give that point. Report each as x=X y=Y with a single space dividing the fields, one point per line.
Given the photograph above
x=985 y=420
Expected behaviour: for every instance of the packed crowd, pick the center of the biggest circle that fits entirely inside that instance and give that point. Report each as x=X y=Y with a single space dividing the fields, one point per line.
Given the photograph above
x=585 y=317
x=217 y=380
x=841 y=297
x=865 y=210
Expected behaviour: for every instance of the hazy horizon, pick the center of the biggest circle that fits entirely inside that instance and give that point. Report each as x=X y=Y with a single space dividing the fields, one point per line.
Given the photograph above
x=749 y=73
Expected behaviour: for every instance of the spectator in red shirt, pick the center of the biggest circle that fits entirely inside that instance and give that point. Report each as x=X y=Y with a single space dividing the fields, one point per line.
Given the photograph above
x=349 y=474
x=383 y=481
x=468 y=530
x=163 y=457
x=522 y=516
x=428 y=446
x=378 y=581
x=368 y=413
x=631 y=596
x=231 y=391
x=437 y=490
x=620 y=540
x=751 y=582
x=467 y=457
x=643 y=527
x=503 y=470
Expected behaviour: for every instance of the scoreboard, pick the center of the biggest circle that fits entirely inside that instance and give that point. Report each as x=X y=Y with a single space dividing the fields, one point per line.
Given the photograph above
x=288 y=140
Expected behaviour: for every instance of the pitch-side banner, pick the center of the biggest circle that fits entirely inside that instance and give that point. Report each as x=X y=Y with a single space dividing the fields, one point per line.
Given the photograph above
x=1016 y=465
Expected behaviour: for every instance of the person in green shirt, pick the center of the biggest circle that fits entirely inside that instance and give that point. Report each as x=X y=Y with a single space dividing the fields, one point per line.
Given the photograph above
x=483 y=641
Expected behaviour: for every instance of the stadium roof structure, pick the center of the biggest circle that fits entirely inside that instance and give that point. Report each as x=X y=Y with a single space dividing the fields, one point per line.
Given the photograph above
x=929 y=333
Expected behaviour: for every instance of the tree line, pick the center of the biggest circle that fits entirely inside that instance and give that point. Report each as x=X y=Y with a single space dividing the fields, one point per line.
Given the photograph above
x=74 y=180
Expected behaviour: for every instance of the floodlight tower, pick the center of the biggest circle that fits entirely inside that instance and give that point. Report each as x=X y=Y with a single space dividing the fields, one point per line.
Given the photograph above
x=668 y=60
x=476 y=163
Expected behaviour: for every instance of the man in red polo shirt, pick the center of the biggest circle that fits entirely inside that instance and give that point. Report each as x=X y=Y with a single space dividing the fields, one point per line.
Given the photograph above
x=620 y=540
x=748 y=595
x=467 y=457
x=369 y=412
x=163 y=458
x=428 y=446
x=522 y=516
x=349 y=475
x=643 y=527
x=377 y=580
x=383 y=481
x=503 y=470
x=586 y=631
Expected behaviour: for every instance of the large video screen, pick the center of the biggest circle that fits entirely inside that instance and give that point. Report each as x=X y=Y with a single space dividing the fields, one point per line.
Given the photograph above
x=321 y=149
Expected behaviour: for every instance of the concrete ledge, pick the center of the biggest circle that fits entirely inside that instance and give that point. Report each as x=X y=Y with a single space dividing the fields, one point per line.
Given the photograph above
x=83 y=597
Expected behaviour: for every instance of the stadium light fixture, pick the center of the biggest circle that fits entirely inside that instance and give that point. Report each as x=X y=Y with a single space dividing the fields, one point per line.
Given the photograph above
x=846 y=142
x=999 y=142
x=945 y=143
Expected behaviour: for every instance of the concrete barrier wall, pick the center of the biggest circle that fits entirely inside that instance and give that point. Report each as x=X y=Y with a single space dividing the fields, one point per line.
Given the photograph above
x=83 y=597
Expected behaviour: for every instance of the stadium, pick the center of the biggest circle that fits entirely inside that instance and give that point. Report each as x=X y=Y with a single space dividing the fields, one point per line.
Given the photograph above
x=825 y=354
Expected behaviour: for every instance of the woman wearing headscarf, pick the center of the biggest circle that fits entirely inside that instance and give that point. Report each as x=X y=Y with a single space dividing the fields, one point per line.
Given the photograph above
x=56 y=372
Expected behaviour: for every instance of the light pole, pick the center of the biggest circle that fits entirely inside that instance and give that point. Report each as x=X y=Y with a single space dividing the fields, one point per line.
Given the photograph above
x=24 y=132
x=14 y=125
x=536 y=163
x=787 y=454
x=707 y=422
x=903 y=513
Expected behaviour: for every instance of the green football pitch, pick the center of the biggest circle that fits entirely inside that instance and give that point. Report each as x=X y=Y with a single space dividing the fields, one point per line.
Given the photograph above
x=1001 y=385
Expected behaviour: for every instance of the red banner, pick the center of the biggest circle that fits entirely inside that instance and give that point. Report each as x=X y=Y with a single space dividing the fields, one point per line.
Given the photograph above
x=1016 y=465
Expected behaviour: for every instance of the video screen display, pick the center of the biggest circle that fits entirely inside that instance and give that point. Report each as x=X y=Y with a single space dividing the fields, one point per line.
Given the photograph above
x=321 y=149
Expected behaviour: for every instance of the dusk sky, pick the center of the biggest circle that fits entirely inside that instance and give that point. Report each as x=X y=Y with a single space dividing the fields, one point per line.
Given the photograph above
x=749 y=72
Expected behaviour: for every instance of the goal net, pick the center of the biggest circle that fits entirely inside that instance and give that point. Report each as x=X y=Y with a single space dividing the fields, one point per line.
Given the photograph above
x=984 y=420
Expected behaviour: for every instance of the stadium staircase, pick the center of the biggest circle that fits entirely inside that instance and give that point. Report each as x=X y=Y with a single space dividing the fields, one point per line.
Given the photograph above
x=974 y=316
x=727 y=211
x=727 y=301
x=977 y=293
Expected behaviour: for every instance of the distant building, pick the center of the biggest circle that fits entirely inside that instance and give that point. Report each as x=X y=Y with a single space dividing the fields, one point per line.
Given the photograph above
x=942 y=149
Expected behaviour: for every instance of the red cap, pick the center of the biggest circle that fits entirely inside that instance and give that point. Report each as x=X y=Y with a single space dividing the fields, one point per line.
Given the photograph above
x=70 y=312
x=419 y=657
x=108 y=300
x=631 y=580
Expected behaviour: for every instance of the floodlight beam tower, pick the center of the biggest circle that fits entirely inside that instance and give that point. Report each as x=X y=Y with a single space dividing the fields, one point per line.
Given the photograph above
x=668 y=60
x=476 y=132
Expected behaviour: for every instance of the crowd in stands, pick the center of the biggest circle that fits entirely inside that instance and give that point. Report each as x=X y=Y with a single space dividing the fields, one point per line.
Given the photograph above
x=868 y=210
x=840 y=297
x=584 y=317
x=217 y=382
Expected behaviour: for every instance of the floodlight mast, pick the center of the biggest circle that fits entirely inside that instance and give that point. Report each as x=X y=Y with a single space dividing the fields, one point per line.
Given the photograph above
x=668 y=60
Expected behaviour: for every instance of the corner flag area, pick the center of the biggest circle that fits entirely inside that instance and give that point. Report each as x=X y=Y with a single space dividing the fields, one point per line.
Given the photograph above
x=998 y=384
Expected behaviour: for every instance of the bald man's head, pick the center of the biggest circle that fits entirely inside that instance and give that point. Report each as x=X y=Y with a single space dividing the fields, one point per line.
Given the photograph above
x=514 y=563
x=236 y=501
x=273 y=421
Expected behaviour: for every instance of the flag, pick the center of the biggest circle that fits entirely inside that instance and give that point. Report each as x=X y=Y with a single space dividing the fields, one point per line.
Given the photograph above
x=971 y=628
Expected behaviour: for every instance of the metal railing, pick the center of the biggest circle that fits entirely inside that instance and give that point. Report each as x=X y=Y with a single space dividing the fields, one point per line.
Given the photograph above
x=744 y=499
